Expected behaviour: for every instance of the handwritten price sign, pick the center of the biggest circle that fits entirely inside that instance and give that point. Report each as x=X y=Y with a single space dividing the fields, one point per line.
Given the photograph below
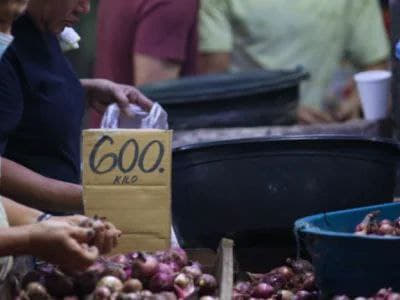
x=126 y=157
x=127 y=178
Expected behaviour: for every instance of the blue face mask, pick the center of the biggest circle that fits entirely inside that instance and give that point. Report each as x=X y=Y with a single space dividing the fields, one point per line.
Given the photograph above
x=5 y=41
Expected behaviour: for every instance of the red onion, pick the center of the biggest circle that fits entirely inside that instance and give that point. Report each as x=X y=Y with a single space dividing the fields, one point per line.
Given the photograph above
x=178 y=256
x=386 y=229
x=129 y=296
x=383 y=293
x=97 y=267
x=393 y=296
x=120 y=259
x=85 y=283
x=243 y=287
x=300 y=265
x=116 y=271
x=309 y=281
x=144 y=266
x=59 y=285
x=146 y=293
x=303 y=295
x=255 y=278
x=111 y=282
x=185 y=293
x=207 y=298
x=102 y=293
x=192 y=271
x=161 y=282
x=207 y=284
x=285 y=271
x=32 y=276
x=165 y=268
x=239 y=296
x=262 y=290
x=284 y=295
x=132 y=286
x=168 y=296
x=343 y=297
x=182 y=280
x=36 y=291
x=276 y=280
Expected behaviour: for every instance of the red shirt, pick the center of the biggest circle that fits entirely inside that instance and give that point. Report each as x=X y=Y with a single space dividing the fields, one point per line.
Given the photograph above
x=165 y=29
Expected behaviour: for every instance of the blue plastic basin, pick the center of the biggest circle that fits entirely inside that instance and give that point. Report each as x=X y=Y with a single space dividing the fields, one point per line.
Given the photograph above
x=346 y=263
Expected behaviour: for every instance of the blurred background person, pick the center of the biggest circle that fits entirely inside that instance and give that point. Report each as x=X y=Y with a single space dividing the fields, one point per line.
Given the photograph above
x=240 y=35
x=144 y=41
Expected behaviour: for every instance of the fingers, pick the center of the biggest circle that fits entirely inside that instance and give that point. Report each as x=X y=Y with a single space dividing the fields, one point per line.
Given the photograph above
x=82 y=235
x=80 y=256
x=111 y=238
x=308 y=116
x=136 y=97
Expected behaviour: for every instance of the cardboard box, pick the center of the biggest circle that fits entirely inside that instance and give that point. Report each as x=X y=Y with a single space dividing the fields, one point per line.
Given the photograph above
x=127 y=178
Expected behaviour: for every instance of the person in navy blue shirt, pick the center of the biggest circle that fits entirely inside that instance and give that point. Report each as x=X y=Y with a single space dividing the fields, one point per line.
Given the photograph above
x=42 y=104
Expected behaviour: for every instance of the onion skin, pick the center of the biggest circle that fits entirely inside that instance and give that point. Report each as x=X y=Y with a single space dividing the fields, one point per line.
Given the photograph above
x=284 y=295
x=285 y=271
x=243 y=287
x=59 y=285
x=343 y=297
x=144 y=266
x=262 y=290
x=192 y=271
x=116 y=271
x=111 y=282
x=102 y=293
x=161 y=282
x=132 y=286
x=303 y=295
x=36 y=291
x=182 y=280
x=393 y=296
x=207 y=285
x=86 y=282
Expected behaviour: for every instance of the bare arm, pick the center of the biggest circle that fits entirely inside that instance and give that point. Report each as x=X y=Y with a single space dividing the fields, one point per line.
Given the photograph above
x=18 y=214
x=214 y=62
x=56 y=242
x=35 y=190
x=148 y=69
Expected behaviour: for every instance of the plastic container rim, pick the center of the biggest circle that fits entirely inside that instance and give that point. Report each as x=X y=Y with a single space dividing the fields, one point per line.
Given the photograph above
x=292 y=138
x=304 y=224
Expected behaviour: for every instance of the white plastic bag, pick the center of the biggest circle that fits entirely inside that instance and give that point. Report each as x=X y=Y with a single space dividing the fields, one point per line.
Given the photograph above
x=157 y=118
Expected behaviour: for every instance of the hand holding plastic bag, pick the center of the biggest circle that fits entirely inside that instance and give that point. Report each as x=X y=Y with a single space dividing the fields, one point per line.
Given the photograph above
x=157 y=118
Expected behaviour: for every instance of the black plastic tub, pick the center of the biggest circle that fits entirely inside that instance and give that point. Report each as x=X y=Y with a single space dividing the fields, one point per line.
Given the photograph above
x=254 y=190
x=249 y=99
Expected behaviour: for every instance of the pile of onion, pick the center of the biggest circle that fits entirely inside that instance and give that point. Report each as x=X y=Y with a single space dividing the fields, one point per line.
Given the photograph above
x=370 y=225
x=383 y=294
x=293 y=281
x=167 y=275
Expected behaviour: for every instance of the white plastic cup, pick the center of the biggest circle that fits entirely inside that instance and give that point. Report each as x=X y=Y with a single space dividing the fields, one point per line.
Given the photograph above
x=374 y=89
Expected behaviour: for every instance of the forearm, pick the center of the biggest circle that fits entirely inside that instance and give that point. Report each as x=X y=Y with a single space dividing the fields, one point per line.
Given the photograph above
x=35 y=190
x=149 y=69
x=14 y=241
x=214 y=62
x=18 y=214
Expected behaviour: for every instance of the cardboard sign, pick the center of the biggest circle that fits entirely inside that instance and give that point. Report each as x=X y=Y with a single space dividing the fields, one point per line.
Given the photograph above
x=127 y=178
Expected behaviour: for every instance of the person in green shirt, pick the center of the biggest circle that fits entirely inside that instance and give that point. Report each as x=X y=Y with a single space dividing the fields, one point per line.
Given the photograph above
x=241 y=35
